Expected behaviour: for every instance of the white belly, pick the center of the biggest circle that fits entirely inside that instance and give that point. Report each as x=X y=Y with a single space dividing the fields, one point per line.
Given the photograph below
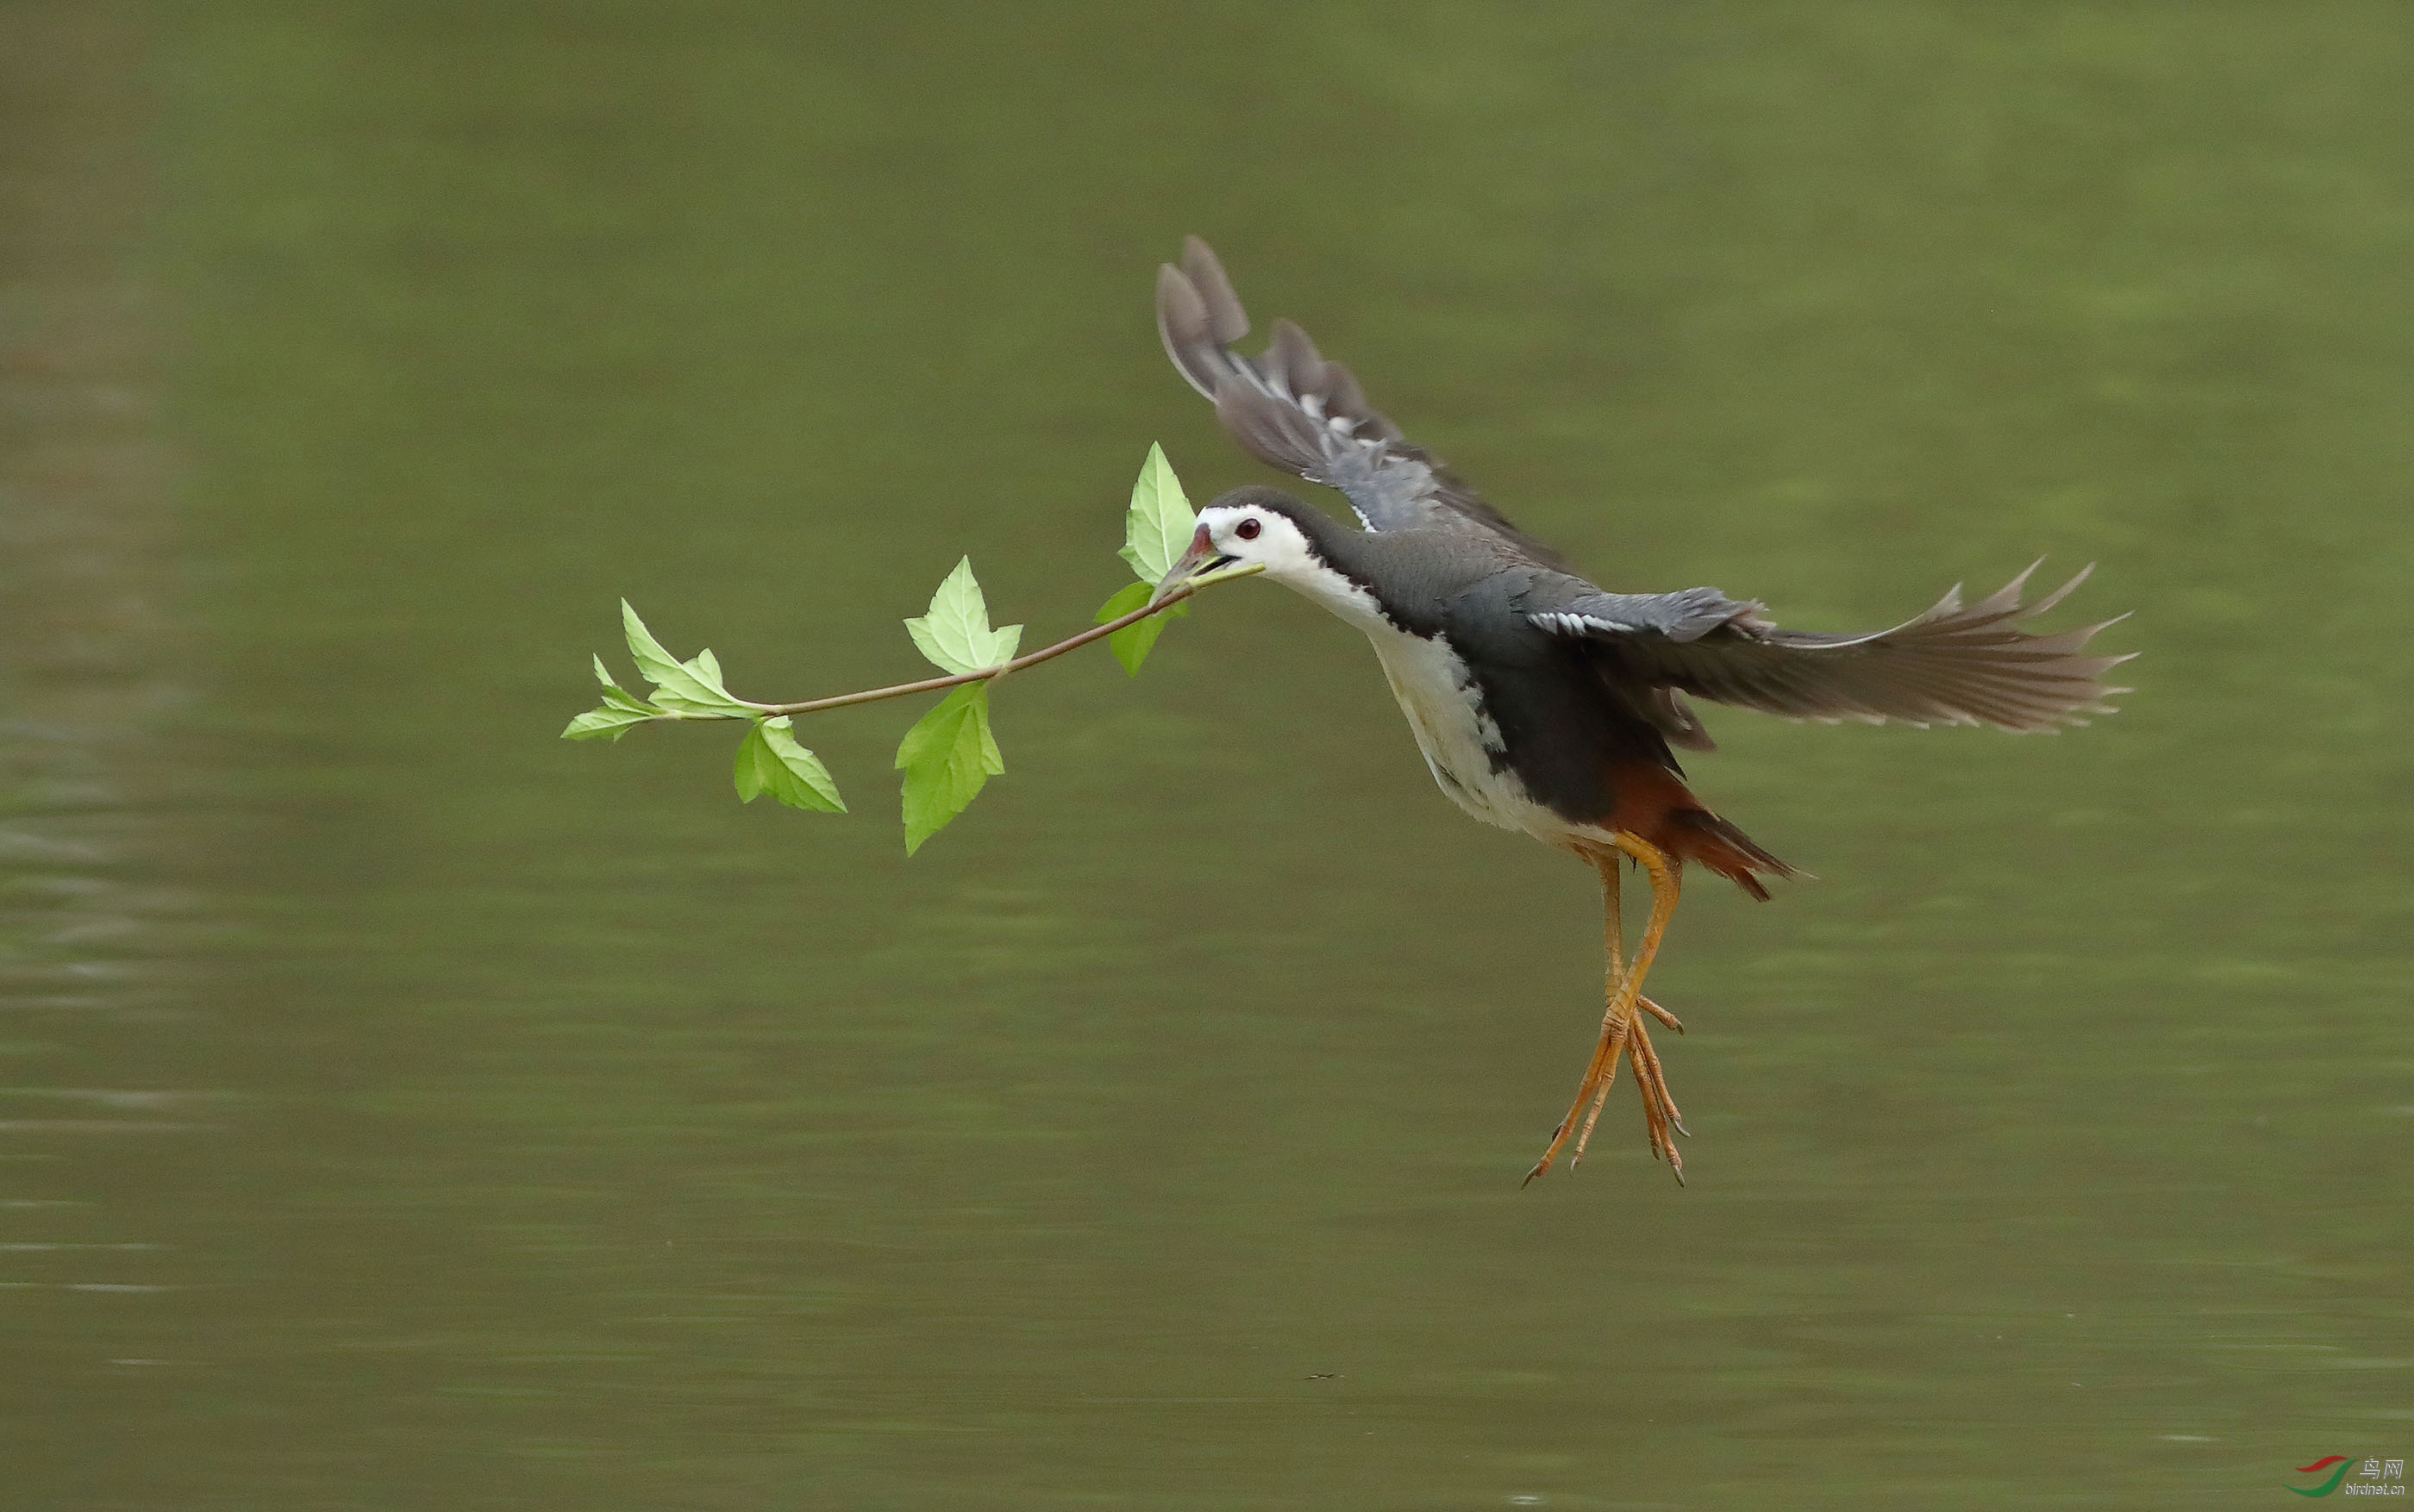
x=1460 y=740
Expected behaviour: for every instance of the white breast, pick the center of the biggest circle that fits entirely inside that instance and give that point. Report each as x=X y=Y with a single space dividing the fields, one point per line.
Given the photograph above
x=1445 y=711
x=1436 y=692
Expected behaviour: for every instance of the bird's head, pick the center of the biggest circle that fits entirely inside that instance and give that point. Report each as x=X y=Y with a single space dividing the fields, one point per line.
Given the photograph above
x=1260 y=528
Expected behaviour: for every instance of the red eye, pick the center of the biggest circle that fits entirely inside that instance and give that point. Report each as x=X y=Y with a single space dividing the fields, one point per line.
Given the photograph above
x=1247 y=530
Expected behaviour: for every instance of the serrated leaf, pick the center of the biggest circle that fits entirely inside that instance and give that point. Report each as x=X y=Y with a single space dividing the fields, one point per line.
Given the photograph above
x=606 y=723
x=656 y=665
x=621 y=698
x=1158 y=527
x=992 y=759
x=954 y=633
x=623 y=710
x=752 y=770
x=949 y=755
x=1132 y=644
x=681 y=687
x=771 y=761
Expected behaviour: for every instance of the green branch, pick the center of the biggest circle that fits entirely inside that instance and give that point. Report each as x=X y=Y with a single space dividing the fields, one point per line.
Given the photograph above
x=951 y=751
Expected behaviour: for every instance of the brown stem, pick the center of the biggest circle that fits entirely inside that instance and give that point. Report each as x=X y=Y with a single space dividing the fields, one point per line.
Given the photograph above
x=931 y=685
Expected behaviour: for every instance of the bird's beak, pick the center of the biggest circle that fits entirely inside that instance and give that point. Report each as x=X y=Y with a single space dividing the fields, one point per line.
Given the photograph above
x=1199 y=560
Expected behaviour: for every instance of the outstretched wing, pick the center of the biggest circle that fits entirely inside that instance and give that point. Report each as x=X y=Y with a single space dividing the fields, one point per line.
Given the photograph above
x=1291 y=407
x=1951 y=665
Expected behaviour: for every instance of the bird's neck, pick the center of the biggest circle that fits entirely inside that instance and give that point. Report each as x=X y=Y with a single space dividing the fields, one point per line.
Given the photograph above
x=1340 y=570
x=1397 y=579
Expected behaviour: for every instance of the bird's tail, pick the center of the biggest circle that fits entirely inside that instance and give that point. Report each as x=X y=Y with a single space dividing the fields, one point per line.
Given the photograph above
x=1653 y=802
x=1699 y=835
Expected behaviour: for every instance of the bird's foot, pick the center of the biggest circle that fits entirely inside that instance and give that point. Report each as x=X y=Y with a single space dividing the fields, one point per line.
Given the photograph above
x=1659 y=1115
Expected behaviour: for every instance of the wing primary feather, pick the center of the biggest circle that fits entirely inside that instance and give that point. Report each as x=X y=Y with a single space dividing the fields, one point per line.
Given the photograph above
x=1182 y=324
x=1294 y=364
x=1228 y=320
x=2046 y=604
x=1950 y=665
x=1331 y=436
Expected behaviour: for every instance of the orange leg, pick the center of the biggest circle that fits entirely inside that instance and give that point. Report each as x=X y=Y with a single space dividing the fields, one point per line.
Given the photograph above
x=1620 y=1032
x=1636 y=1044
x=1613 y=1030
x=1660 y=1112
x=1658 y=1108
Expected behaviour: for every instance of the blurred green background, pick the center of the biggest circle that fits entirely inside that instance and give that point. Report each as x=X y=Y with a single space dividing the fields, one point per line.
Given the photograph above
x=403 y=1109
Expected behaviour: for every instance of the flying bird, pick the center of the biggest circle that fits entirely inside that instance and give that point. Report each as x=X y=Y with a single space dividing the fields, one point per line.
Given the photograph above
x=1542 y=702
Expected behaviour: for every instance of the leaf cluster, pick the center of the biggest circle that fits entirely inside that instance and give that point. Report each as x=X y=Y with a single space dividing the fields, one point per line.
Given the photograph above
x=951 y=752
x=769 y=759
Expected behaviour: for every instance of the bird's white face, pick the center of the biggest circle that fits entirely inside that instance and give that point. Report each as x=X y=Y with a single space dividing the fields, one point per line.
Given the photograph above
x=1251 y=535
x=1246 y=533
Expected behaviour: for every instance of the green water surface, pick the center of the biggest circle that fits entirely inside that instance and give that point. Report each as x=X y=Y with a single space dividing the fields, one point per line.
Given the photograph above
x=401 y=1109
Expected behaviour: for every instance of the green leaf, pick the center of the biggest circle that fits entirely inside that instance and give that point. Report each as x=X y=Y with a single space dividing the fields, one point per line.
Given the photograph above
x=1132 y=644
x=680 y=687
x=955 y=634
x=946 y=757
x=621 y=712
x=1159 y=526
x=771 y=761
x=992 y=759
x=606 y=723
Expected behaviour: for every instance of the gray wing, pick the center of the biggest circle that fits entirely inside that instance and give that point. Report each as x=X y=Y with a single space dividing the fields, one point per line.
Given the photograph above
x=1951 y=665
x=1291 y=407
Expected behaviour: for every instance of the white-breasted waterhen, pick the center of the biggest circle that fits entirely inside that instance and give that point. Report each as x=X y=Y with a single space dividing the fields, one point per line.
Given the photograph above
x=1541 y=703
